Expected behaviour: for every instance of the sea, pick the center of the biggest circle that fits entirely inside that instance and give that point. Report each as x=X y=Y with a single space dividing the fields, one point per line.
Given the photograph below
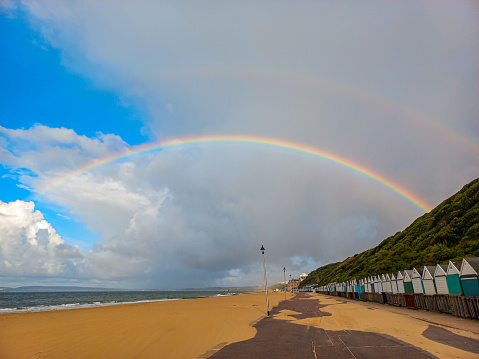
x=17 y=302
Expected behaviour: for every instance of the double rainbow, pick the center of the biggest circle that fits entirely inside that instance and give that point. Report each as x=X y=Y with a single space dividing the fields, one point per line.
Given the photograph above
x=160 y=145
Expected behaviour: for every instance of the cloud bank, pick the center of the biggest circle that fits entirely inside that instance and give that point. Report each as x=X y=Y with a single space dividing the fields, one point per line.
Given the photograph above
x=389 y=86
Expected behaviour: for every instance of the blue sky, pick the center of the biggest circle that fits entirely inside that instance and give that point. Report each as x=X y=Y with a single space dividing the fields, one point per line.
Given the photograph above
x=37 y=88
x=81 y=81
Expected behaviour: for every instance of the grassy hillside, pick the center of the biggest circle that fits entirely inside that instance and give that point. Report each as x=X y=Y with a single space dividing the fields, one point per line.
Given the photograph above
x=449 y=231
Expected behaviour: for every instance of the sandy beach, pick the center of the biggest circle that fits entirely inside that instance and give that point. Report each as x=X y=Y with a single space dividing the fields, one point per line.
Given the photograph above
x=191 y=328
x=171 y=329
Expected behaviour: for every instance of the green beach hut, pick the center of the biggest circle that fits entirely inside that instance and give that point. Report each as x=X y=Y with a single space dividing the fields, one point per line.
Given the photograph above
x=362 y=285
x=469 y=276
x=407 y=282
x=452 y=278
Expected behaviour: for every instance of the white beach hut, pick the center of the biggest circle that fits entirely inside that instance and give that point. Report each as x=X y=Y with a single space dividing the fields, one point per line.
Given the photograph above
x=400 y=282
x=380 y=284
x=428 y=280
x=386 y=283
x=376 y=284
x=394 y=285
x=440 y=279
x=417 y=280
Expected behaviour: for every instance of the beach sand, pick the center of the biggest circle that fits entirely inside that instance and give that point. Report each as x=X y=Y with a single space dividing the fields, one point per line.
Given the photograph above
x=171 y=329
x=401 y=323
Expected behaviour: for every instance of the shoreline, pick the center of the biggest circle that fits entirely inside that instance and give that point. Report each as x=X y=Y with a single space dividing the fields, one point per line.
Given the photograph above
x=172 y=328
x=99 y=303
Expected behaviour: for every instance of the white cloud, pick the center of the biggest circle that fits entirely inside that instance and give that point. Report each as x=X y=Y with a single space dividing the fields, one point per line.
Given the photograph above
x=30 y=245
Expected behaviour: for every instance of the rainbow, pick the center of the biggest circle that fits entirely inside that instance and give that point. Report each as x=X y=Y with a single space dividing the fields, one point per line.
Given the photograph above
x=161 y=145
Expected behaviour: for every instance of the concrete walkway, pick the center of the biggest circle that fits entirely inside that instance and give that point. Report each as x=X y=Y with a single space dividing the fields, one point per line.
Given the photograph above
x=278 y=338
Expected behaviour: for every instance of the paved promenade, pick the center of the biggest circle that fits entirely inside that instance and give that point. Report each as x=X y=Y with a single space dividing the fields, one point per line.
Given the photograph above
x=298 y=328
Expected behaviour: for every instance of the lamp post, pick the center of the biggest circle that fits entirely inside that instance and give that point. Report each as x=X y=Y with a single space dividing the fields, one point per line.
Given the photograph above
x=265 y=282
x=284 y=277
x=291 y=283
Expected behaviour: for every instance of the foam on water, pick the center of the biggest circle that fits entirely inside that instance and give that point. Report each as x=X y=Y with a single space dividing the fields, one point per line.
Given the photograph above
x=19 y=302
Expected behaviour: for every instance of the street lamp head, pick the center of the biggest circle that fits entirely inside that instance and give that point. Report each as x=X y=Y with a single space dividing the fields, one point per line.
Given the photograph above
x=284 y=269
x=262 y=249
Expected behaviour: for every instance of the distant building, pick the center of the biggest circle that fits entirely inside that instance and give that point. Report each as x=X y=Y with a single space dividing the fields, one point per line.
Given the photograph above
x=293 y=284
x=302 y=277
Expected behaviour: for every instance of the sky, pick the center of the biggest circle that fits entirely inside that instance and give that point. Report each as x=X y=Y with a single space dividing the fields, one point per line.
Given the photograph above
x=108 y=178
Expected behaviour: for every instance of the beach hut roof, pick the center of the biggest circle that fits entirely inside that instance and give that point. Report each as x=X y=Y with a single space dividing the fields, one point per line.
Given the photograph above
x=407 y=274
x=470 y=266
x=428 y=272
x=417 y=272
x=400 y=275
x=392 y=276
x=387 y=277
x=440 y=270
x=452 y=268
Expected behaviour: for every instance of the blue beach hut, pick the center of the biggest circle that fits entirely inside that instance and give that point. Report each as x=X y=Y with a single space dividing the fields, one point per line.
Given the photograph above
x=470 y=276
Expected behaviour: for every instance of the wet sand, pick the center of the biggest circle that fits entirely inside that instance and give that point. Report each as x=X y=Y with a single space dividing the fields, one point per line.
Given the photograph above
x=172 y=329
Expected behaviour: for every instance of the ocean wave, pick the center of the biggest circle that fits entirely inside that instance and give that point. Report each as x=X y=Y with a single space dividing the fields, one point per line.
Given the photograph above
x=47 y=308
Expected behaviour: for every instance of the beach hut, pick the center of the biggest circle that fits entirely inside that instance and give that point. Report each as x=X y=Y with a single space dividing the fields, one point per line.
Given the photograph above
x=452 y=277
x=469 y=276
x=440 y=279
x=428 y=280
x=386 y=283
x=407 y=282
x=400 y=281
x=357 y=287
x=377 y=284
x=371 y=284
x=353 y=283
x=394 y=284
x=417 y=280
x=381 y=283
x=362 y=285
